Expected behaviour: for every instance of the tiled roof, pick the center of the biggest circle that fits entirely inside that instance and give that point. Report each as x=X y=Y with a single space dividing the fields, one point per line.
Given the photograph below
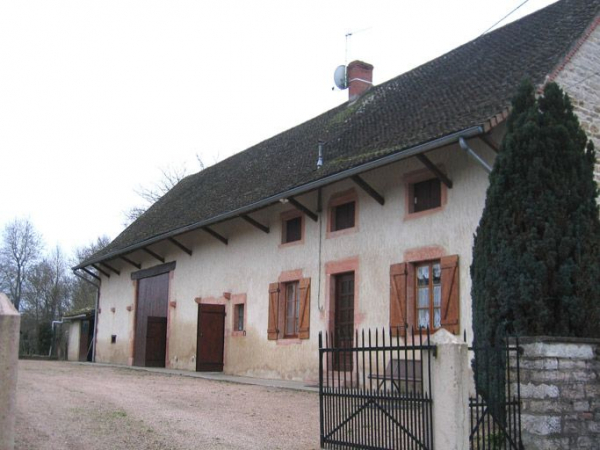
x=461 y=89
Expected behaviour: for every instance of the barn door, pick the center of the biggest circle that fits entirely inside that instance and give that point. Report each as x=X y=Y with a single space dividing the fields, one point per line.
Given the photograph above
x=211 y=335
x=84 y=339
x=152 y=304
x=156 y=342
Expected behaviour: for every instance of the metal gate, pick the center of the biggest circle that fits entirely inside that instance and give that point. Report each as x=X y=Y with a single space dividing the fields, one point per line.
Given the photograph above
x=375 y=394
x=496 y=409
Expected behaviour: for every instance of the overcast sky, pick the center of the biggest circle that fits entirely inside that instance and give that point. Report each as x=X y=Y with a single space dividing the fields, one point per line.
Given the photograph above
x=96 y=97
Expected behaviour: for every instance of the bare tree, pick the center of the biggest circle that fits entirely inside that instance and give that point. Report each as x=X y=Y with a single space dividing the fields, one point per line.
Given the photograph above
x=19 y=250
x=83 y=294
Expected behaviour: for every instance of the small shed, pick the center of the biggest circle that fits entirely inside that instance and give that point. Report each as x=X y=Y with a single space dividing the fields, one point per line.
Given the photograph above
x=80 y=326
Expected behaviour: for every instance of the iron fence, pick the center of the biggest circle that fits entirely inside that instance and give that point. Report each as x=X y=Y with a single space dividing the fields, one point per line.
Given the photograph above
x=376 y=393
x=496 y=408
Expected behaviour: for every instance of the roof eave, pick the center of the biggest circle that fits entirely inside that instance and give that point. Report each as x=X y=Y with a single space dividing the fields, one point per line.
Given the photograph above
x=389 y=159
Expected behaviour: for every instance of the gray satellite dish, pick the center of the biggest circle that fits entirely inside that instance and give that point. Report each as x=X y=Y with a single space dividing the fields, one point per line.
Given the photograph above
x=339 y=77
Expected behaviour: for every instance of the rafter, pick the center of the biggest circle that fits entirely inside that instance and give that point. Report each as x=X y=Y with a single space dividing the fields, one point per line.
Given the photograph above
x=369 y=189
x=111 y=268
x=178 y=244
x=106 y=274
x=255 y=223
x=133 y=263
x=155 y=255
x=216 y=235
x=304 y=209
x=433 y=168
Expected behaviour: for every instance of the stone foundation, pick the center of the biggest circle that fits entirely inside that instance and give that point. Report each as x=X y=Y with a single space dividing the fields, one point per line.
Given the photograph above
x=560 y=393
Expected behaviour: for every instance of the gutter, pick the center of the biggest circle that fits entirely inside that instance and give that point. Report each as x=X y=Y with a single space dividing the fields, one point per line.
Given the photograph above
x=411 y=151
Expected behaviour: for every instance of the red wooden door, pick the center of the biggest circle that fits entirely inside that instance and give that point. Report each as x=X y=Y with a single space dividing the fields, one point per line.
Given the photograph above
x=84 y=339
x=344 y=320
x=152 y=299
x=211 y=336
x=156 y=342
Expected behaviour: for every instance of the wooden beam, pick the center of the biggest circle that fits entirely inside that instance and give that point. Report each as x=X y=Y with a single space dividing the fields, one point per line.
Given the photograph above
x=133 y=263
x=180 y=245
x=106 y=274
x=216 y=235
x=369 y=189
x=111 y=268
x=491 y=144
x=254 y=223
x=319 y=200
x=437 y=172
x=151 y=253
x=299 y=206
x=92 y=274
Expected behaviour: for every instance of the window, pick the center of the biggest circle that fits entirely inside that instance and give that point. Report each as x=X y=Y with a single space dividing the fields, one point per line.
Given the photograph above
x=113 y=339
x=292 y=309
x=238 y=317
x=293 y=230
x=425 y=293
x=429 y=295
x=289 y=310
x=292 y=227
x=426 y=195
x=343 y=216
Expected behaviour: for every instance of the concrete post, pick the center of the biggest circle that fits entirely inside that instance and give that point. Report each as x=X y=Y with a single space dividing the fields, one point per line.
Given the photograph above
x=10 y=322
x=451 y=378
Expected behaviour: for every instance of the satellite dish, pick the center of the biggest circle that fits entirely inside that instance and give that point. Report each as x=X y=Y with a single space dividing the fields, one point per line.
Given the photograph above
x=339 y=77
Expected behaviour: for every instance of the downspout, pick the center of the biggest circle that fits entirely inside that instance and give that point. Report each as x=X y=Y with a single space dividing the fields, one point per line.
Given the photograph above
x=97 y=286
x=472 y=154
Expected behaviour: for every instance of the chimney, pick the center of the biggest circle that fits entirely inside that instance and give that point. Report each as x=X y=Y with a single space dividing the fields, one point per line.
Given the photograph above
x=360 y=79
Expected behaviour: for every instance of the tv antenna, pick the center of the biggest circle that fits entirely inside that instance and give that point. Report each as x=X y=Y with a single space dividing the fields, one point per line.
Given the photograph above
x=340 y=75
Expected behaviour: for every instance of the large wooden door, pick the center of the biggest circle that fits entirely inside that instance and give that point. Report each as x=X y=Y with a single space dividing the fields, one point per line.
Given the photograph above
x=152 y=302
x=344 y=319
x=211 y=335
x=156 y=342
x=84 y=337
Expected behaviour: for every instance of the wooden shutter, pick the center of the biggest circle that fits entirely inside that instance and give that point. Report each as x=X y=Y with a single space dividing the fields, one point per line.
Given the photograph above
x=450 y=294
x=398 y=299
x=272 y=330
x=304 y=318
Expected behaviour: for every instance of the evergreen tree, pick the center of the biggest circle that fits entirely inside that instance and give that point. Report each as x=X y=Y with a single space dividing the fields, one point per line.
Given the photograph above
x=536 y=256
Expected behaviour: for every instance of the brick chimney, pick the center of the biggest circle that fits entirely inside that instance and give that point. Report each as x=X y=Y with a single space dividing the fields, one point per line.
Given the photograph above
x=360 y=79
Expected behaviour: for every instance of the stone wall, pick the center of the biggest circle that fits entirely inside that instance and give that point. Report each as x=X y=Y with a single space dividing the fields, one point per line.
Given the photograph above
x=560 y=393
x=10 y=322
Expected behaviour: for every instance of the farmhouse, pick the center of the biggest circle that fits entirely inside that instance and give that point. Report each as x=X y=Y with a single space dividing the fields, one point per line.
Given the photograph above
x=361 y=217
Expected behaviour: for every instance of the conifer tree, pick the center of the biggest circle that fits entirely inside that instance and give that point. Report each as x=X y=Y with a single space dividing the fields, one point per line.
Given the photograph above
x=536 y=255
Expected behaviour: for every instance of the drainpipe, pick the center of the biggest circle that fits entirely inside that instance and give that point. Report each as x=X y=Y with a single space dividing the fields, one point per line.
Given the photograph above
x=97 y=286
x=472 y=154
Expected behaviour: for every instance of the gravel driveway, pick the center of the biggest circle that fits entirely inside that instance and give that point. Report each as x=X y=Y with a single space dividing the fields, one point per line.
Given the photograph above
x=72 y=406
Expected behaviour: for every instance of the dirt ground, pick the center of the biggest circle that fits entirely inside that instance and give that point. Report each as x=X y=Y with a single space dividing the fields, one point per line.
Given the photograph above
x=71 y=406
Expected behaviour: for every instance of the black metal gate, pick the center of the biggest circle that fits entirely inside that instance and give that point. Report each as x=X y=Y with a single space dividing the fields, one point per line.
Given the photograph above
x=375 y=394
x=496 y=409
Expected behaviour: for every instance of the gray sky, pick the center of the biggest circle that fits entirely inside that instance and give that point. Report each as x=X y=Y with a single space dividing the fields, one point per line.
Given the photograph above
x=96 y=97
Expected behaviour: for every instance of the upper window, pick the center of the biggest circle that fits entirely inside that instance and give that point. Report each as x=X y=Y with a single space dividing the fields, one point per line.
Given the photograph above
x=426 y=195
x=343 y=216
x=292 y=227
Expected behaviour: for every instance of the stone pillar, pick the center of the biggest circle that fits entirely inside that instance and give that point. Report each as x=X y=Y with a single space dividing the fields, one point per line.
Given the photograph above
x=450 y=382
x=560 y=393
x=10 y=322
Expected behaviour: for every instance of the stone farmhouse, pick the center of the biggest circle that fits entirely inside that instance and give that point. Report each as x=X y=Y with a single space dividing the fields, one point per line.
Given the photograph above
x=361 y=217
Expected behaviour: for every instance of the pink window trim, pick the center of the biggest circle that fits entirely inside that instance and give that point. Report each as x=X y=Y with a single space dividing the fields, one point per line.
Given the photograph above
x=333 y=268
x=287 y=215
x=422 y=254
x=339 y=199
x=415 y=177
x=238 y=299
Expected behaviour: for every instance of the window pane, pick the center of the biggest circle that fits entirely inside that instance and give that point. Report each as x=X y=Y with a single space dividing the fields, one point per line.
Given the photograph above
x=423 y=276
x=240 y=317
x=291 y=309
x=437 y=318
x=343 y=216
x=427 y=195
x=437 y=295
x=423 y=318
x=293 y=230
x=423 y=297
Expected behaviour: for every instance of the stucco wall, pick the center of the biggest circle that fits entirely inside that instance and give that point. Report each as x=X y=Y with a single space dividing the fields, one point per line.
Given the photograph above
x=580 y=79
x=73 y=344
x=384 y=235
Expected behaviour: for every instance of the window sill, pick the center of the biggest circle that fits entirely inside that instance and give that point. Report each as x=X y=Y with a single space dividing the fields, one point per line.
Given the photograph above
x=418 y=215
x=238 y=333
x=344 y=232
x=289 y=341
x=291 y=244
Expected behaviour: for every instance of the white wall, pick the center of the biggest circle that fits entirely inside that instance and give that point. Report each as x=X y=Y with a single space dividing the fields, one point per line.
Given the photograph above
x=254 y=259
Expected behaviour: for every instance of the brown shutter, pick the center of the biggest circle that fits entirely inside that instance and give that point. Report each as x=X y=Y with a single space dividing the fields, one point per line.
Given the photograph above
x=272 y=331
x=450 y=295
x=304 y=318
x=398 y=299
